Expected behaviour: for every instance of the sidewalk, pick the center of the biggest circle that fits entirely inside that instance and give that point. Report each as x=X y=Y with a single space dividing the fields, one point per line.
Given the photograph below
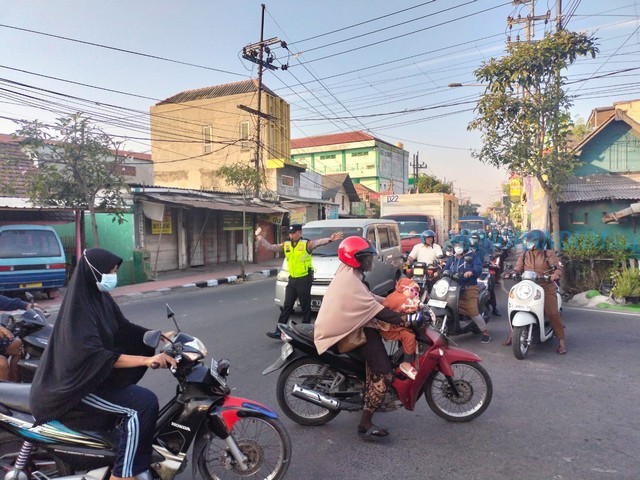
x=198 y=277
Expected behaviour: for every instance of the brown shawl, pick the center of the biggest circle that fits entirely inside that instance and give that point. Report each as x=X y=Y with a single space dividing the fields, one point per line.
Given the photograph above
x=346 y=306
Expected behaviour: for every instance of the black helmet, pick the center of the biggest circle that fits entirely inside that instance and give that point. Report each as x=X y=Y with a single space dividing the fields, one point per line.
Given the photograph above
x=427 y=233
x=534 y=239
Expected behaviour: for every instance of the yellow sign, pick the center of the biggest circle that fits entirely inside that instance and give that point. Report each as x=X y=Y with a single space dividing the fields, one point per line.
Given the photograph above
x=515 y=189
x=162 y=227
x=271 y=217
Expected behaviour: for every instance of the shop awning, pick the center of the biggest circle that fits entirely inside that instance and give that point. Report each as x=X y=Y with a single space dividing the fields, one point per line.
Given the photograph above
x=228 y=204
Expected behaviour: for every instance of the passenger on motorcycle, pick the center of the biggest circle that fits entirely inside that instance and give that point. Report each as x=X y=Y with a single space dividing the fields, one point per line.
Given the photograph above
x=427 y=251
x=10 y=346
x=537 y=259
x=94 y=359
x=349 y=305
x=469 y=273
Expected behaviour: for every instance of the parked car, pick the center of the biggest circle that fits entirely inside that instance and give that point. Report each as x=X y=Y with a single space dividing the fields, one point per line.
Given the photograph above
x=31 y=259
x=387 y=265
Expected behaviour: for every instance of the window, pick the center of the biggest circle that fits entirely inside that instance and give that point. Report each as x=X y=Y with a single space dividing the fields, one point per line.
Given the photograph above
x=207 y=138
x=286 y=181
x=244 y=135
x=360 y=154
x=371 y=236
x=383 y=233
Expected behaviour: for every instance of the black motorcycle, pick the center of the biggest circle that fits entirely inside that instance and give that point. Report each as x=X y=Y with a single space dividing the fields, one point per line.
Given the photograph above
x=444 y=300
x=32 y=328
x=425 y=276
x=232 y=437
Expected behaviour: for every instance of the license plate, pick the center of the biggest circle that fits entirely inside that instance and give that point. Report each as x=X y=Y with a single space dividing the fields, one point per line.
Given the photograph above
x=437 y=303
x=316 y=303
x=31 y=285
x=522 y=308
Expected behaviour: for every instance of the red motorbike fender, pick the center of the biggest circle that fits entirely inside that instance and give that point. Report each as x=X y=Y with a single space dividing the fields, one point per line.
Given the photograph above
x=451 y=355
x=235 y=408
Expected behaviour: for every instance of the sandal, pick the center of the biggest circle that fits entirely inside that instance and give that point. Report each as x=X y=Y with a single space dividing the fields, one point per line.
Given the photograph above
x=409 y=371
x=562 y=350
x=373 y=433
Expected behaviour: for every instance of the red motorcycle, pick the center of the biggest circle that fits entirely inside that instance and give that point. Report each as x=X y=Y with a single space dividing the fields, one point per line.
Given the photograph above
x=312 y=389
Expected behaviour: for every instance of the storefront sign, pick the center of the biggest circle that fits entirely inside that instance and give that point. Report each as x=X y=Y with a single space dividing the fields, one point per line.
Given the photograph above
x=233 y=221
x=275 y=218
x=164 y=227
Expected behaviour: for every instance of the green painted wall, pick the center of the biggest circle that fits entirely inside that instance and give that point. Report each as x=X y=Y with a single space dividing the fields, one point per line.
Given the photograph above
x=119 y=239
x=572 y=218
x=615 y=149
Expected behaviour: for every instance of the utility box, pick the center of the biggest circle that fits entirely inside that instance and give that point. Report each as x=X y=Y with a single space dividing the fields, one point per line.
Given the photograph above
x=141 y=265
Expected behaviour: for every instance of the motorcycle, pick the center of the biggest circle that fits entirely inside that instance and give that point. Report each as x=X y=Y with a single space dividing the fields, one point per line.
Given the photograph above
x=444 y=304
x=32 y=328
x=425 y=276
x=232 y=437
x=313 y=389
x=526 y=313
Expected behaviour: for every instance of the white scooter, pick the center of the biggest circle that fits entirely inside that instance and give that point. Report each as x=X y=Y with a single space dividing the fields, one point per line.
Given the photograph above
x=526 y=313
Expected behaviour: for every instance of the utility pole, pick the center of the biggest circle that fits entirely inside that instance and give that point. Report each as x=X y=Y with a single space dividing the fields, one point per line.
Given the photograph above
x=417 y=166
x=529 y=21
x=254 y=53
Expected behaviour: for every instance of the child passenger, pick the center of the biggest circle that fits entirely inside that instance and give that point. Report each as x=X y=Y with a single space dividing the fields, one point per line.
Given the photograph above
x=405 y=299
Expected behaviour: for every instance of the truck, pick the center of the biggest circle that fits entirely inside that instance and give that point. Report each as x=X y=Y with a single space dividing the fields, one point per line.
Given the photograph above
x=417 y=212
x=474 y=222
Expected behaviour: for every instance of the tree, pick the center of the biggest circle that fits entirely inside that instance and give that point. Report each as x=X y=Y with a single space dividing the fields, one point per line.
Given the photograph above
x=246 y=179
x=78 y=168
x=432 y=184
x=523 y=112
x=468 y=209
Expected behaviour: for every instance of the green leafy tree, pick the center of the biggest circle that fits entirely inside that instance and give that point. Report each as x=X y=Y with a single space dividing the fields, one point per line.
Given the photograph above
x=580 y=129
x=246 y=179
x=523 y=113
x=78 y=167
x=432 y=184
x=467 y=209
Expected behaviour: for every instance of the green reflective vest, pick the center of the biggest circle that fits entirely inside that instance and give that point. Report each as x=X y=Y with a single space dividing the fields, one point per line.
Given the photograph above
x=298 y=259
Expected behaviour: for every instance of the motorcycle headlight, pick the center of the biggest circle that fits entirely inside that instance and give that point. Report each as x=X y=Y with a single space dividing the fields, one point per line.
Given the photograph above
x=440 y=288
x=524 y=291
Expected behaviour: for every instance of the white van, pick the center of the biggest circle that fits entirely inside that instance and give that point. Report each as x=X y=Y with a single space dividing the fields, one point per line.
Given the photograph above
x=387 y=265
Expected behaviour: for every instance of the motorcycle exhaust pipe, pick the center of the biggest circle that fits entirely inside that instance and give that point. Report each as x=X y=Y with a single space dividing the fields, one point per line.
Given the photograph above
x=316 y=398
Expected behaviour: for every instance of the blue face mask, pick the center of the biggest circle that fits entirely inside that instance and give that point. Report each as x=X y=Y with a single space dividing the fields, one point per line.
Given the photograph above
x=109 y=282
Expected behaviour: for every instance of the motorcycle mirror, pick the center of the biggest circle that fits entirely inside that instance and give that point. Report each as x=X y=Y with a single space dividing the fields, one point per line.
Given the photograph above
x=151 y=338
x=172 y=316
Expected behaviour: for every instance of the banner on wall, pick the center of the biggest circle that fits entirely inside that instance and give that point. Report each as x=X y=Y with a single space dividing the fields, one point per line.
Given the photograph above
x=164 y=227
x=233 y=221
x=275 y=218
x=298 y=215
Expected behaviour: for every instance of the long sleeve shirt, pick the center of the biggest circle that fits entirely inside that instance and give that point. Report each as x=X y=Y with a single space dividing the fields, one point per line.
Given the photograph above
x=457 y=265
x=8 y=304
x=539 y=261
x=279 y=247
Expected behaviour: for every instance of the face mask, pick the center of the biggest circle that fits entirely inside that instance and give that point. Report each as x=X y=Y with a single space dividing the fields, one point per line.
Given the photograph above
x=458 y=250
x=531 y=245
x=109 y=282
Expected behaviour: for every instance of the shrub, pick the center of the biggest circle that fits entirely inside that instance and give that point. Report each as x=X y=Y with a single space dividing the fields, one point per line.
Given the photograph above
x=626 y=283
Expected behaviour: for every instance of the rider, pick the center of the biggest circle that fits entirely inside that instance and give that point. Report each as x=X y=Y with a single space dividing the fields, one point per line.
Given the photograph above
x=349 y=305
x=537 y=259
x=469 y=273
x=93 y=361
x=10 y=346
x=476 y=247
x=427 y=251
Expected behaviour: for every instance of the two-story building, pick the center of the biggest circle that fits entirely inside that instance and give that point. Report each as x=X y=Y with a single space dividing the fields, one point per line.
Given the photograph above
x=372 y=162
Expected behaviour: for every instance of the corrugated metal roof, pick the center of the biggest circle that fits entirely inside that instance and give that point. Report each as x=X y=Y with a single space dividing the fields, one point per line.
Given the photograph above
x=215 y=203
x=593 y=188
x=228 y=89
x=332 y=139
x=15 y=168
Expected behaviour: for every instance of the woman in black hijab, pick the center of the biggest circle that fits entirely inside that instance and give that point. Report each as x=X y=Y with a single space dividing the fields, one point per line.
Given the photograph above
x=95 y=357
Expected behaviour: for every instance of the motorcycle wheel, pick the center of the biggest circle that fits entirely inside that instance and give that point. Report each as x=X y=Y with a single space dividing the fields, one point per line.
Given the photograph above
x=519 y=342
x=308 y=373
x=474 y=386
x=40 y=460
x=264 y=441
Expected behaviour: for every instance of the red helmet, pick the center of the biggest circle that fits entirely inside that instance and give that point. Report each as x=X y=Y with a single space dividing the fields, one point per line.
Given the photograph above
x=352 y=249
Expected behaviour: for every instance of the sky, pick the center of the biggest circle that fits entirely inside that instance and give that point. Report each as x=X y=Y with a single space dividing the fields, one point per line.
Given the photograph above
x=373 y=65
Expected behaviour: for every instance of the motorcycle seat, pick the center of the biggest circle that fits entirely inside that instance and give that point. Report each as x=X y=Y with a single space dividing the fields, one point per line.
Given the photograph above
x=305 y=330
x=15 y=396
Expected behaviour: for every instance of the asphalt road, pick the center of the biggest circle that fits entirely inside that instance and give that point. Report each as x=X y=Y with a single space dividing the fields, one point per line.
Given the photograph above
x=552 y=417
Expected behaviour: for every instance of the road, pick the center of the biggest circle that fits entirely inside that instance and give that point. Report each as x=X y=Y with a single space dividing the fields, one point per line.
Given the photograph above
x=552 y=417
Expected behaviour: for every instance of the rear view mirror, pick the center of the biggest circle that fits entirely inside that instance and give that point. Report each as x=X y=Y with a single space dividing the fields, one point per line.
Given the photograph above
x=151 y=338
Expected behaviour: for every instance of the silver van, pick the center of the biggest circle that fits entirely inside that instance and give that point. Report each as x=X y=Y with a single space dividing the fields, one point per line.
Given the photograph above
x=387 y=265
